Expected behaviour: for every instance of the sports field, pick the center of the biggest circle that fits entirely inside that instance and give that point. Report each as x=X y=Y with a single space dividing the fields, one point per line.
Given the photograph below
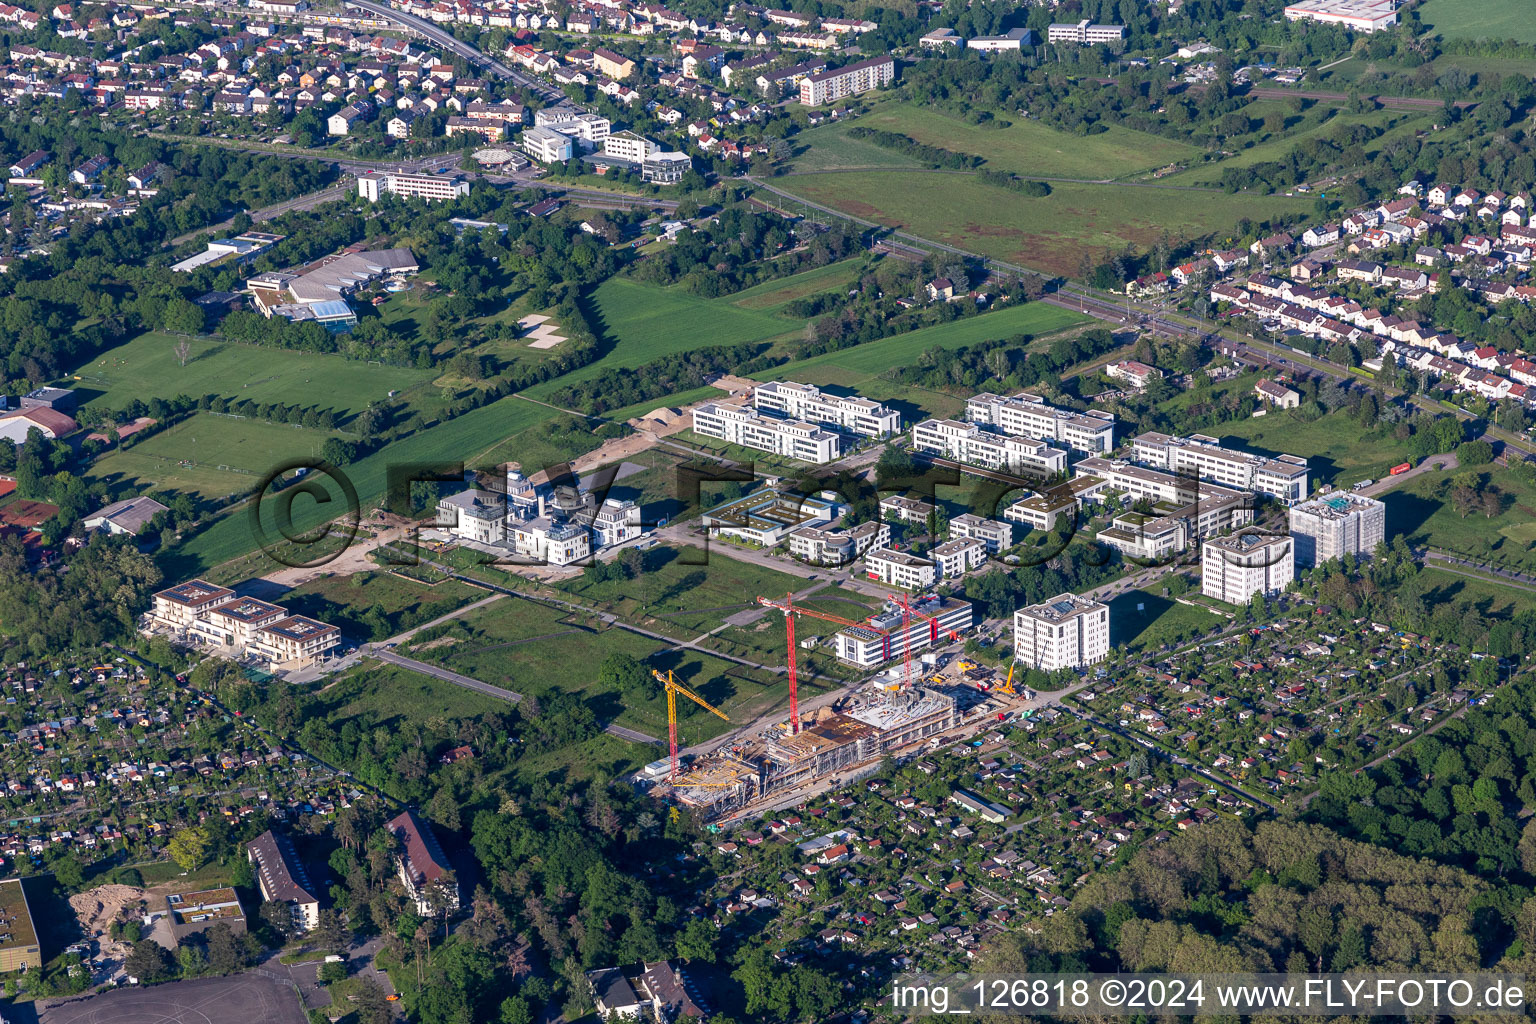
x=207 y=455
x=1025 y=147
x=147 y=367
x=1480 y=19
x=1051 y=233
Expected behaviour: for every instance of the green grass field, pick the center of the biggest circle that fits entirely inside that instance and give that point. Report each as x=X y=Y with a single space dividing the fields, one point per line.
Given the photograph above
x=207 y=455
x=1480 y=19
x=467 y=438
x=147 y=367
x=1421 y=509
x=1339 y=450
x=1277 y=147
x=1051 y=233
x=773 y=296
x=1159 y=620
x=647 y=322
x=1025 y=147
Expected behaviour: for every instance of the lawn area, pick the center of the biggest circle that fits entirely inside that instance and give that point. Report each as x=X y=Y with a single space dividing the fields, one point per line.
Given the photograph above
x=772 y=296
x=351 y=602
x=1421 y=509
x=1025 y=147
x=1050 y=233
x=147 y=367
x=1482 y=19
x=1338 y=450
x=1490 y=599
x=1140 y=620
x=645 y=322
x=467 y=438
x=530 y=648
x=207 y=455
x=1279 y=146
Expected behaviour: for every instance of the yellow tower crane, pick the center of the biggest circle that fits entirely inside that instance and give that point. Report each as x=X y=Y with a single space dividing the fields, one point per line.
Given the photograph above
x=673 y=688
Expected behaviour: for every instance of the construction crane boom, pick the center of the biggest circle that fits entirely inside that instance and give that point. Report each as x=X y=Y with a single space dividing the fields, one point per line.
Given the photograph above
x=673 y=688
x=790 y=610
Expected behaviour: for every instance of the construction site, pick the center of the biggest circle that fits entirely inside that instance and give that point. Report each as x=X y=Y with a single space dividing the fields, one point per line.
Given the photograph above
x=892 y=712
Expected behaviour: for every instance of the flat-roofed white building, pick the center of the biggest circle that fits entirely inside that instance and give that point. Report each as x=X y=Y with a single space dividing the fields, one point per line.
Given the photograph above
x=932 y=620
x=908 y=510
x=803 y=402
x=296 y=640
x=237 y=623
x=768 y=517
x=431 y=187
x=969 y=443
x=1026 y=415
x=1235 y=569
x=995 y=534
x=474 y=515
x=1359 y=15
x=1336 y=525
x=1068 y=631
x=1146 y=538
x=958 y=556
x=551 y=541
x=1084 y=33
x=1283 y=477
x=1042 y=511
x=546 y=145
x=821 y=546
x=182 y=605
x=849 y=80
x=900 y=569
x=616 y=521
x=752 y=429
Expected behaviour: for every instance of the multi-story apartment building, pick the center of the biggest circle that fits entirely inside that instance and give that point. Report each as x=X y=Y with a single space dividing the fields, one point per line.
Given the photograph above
x=958 y=556
x=823 y=546
x=616 y=521
x=431 y=187
x=20 y=949
x=900 y=569
x=751 y=429
x=1283 y=477
x=1026 y=415
x=294 y=641
x=969 y=443
x=1084 y=33
x=859 y=416
x=630 y=146
x=282 y=879
x=995 y=534
x=849 y=80
x=551 y=542
x=475 y=515
x=1139 y=482
x=1234 y=569
x=236 y=623
x=907 y=510
x=1336 y=525
x=422 y=867
x=182 y=605
x=1170 y=530
x=1042 y=511
x=1068 y=631
x=928 y=621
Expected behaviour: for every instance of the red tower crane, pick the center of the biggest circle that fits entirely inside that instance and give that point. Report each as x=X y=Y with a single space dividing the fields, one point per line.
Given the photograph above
x=790 y=610
x=906 y=638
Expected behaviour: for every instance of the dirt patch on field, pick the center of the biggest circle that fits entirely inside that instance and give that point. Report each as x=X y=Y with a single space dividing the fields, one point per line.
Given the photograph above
x=97 y=909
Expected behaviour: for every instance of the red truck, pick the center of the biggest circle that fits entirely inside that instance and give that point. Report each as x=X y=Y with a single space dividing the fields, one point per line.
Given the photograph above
x=1401 y=469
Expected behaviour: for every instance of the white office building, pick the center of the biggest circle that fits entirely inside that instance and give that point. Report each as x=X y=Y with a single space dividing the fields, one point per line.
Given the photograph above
x=958 y=556
x=551 y=542
x=474 y=515
x=826 y=546
x=969 y=443
x=1026 y=415
x=751 y=429
x=1235 y=569
x=900 y=569
x=627 y=145
x=1336 y=525
x=1283 y=477
x=431 y=187
x=929 y=621
x=546 y=146
x=995 y=534
x=1068 y=631
x=1084 y=33
x=803 y=402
